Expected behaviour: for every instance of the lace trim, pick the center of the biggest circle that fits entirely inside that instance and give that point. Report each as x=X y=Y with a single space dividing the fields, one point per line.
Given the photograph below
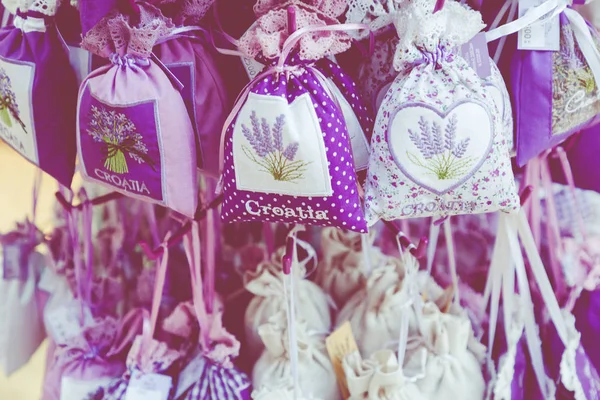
x=46 y=7
x=502 y=387
x=114 y=34
x=420 y=30
x=568 y=362
x=331 y=8
x=267 y=35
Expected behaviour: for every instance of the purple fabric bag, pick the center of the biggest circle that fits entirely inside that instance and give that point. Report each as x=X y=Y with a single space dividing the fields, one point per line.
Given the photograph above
x=287 y=152
x=555 y=94
x=39 y=92
x=134 y=134
x=357 y=113
x=190 y=58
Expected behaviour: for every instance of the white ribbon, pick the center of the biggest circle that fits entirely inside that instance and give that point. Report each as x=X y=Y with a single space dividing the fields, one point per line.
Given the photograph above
x=532 y=16
x=434 y=233
x=451 y=258
x=30 y=24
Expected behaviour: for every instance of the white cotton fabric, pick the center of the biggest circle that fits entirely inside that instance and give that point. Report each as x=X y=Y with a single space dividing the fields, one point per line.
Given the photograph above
x=273 y=370
x=267 y=286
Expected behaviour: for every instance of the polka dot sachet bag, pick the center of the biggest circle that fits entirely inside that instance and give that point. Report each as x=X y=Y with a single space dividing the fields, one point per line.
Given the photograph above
x=288 y=154
x=440 y=144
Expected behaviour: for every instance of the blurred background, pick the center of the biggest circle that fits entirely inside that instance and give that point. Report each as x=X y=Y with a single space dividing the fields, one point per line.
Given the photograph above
x=16 y=202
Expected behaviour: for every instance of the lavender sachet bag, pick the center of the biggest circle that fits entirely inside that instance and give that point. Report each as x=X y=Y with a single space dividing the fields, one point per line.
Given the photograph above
x=134 y=132
x=287 y=152
x=38 y=90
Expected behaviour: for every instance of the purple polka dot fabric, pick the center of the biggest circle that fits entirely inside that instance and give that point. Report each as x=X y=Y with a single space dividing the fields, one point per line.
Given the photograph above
x=272 y=167
x=349 y=90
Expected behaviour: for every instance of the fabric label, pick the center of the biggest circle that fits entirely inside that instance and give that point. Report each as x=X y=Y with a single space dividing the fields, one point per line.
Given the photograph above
x=78 y=389
x=190 y=374
x=16 y=114
x=14 y=261
x=339 y=344
x=148 y=387
x=67 y=322
x=278 y=147
x=543 y=35
x=475 y=52
x=358 y=140
x=119 y=145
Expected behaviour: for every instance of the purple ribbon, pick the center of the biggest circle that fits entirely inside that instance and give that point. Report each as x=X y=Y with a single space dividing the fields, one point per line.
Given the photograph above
x=436 y=58
x=129 y=60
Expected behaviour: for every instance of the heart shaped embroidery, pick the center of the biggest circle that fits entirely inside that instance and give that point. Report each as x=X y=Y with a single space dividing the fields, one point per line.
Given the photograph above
x=440 y=150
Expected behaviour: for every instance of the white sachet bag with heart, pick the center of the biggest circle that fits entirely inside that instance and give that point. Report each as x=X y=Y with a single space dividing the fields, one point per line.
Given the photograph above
x=440 y=144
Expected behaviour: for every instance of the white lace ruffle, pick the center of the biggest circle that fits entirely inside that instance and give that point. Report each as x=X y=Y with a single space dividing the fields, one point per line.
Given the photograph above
x=420 y=30
x=568 y=362
x=46 y=7
x=502 y=386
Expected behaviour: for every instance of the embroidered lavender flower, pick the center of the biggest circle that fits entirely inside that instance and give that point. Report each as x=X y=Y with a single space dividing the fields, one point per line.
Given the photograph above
x=441 y=155
x=268 y=151
x=119 y=137
x=8 y=102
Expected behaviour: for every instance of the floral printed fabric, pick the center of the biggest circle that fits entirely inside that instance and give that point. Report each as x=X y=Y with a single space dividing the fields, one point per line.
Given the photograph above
x=440 y=146
x=575 y=100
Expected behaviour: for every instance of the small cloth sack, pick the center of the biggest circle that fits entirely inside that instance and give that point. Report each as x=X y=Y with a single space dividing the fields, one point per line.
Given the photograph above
x=287 y=148
x=134 y=132
x=38 y=90
x=267 y=285
x=451 y=369
x=22 y=329
x=345 y=264
x=273 y=369
x=439 y=146
x=378 y=378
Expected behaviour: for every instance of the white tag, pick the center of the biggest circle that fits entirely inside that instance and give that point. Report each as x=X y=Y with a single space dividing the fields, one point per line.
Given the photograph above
x=190 y=375
x=542 y=35
x=78 y=389
x=252 y=67
x=65 y=323
x=148 y=387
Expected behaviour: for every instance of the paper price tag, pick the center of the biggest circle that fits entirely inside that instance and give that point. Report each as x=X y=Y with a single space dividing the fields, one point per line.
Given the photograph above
x=252 y=67
x=65 y=322
x=190 y=374
x=544 y=35
x=339 y=344
x=476 y=54
x=79 y=389
x=148 y=387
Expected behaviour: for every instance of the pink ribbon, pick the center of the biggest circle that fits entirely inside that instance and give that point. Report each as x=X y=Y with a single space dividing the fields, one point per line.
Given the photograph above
x=159 y=284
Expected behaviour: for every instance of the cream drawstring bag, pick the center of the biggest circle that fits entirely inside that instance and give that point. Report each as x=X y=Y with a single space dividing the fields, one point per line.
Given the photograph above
x=272 y=372
x=266 y=283
x=451 y=369
x=348 y=257
x=378 y=378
